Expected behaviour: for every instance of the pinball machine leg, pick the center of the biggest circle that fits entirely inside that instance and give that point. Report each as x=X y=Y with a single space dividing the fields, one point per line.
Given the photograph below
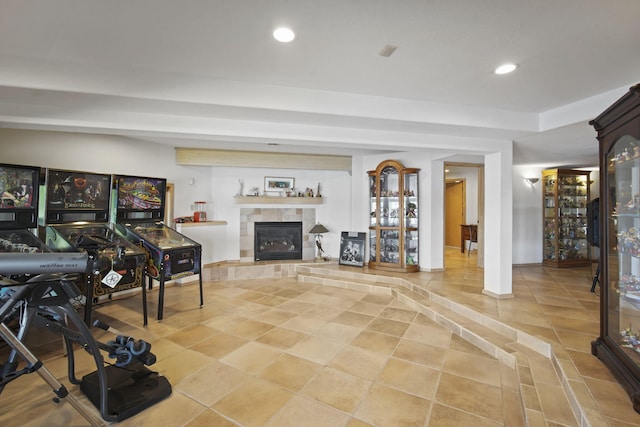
x=200 y=280
x=144 y=304
x=161 y=296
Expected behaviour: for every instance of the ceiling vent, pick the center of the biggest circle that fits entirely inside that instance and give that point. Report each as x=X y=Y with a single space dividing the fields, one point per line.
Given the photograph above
x=387 y=51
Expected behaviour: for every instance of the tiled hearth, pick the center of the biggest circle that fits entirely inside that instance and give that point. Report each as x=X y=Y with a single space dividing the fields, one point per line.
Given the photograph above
x=249 y=216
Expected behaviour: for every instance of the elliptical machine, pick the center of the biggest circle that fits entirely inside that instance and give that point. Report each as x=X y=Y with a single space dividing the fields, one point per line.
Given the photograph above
x=40 y=290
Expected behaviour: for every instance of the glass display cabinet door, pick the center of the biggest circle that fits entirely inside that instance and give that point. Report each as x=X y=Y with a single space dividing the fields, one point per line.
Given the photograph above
x=389 y=215
x=550 y=215
x=372 y=245
x=411 y=200
x=389 y=246
x=373 y=202
x=572 y=216
x=411 y=216
x=389 y=197
x=623 y=252
x=411 y=247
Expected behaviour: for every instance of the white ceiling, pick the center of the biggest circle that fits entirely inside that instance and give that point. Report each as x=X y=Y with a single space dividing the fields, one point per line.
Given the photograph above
x=202 y=73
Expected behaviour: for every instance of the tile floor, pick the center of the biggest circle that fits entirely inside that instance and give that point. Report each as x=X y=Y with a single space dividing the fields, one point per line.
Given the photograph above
x=279 y=352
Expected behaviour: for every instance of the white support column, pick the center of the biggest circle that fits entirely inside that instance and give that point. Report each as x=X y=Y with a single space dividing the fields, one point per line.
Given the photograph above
x=432 y=217
x=498 y=227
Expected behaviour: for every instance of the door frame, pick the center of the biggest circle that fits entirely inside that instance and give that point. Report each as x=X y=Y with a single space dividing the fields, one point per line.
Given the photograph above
x=463 y=220
x=480 y=193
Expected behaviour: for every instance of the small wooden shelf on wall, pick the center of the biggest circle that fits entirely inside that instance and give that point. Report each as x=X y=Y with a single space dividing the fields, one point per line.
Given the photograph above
x=276 y=200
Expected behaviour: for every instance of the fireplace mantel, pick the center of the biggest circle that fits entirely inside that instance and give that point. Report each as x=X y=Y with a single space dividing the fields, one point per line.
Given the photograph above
x=276 y=200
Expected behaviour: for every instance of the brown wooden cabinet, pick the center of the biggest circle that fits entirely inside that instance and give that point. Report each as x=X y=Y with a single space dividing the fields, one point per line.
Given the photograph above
x=619 y=343
x=394 y=214
x=565 y=198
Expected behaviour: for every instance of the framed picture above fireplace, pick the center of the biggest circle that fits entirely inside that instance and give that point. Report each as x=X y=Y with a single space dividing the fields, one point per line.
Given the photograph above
x=274 y=184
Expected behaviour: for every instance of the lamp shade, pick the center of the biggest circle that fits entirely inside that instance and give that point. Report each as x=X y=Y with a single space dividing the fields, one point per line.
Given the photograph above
x=318 y=229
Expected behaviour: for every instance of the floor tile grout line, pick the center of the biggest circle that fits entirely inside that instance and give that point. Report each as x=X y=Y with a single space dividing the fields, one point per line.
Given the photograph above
x=580 y=416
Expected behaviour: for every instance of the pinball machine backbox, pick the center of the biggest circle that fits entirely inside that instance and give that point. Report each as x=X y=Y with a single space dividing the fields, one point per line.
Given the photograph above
x=19 y=191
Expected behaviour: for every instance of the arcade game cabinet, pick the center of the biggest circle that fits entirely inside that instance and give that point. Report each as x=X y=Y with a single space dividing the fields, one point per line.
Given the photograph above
x=139 y=215
x=19 y=187
x=77 y=217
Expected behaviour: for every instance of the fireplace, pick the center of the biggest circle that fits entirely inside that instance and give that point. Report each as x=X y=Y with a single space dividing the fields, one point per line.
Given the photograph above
x=249 y=216
x=277 y=240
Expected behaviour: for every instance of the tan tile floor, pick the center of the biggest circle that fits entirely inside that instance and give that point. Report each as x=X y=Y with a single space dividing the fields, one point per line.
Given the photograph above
x=279 y=352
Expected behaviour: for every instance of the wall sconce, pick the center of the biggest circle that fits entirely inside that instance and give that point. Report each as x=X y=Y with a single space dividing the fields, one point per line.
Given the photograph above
x=532 y=181
x=319 y=230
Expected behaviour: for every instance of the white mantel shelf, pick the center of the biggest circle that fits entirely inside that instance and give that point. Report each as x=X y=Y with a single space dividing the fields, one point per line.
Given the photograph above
x=275 y=200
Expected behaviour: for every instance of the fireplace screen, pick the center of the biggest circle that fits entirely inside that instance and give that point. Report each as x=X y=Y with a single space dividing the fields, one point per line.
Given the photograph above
x=277 y=241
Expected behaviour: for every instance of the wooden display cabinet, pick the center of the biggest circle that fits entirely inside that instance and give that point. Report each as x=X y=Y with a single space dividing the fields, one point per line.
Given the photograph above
x=565 y=200
x=618 y=345
x=394 y=213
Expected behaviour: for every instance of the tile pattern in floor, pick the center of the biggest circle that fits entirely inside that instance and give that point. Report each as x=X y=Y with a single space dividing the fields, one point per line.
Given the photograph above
x=277 y=352
x=283 y=353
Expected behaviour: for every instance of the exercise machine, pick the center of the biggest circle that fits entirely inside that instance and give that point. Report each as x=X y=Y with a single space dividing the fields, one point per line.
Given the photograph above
x=40 y=290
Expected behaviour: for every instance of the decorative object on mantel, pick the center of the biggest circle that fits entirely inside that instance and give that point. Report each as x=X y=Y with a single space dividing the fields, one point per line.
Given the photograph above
x=318 y=192
x=319 y=230
x=352 y=246
x=255 y=191
x=278 y=185
x=241 y=188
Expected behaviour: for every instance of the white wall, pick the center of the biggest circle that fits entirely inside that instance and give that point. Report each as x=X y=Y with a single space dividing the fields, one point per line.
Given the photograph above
x=333 y=213
x=106 y=154
x=217 y=186
x=527 y=216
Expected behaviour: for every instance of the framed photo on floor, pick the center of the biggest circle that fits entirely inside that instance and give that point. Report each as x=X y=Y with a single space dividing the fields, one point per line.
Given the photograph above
x=352 y=247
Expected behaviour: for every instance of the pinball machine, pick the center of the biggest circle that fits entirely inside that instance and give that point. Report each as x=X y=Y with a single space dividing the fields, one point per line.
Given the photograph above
x=76 y=217
x=140 y=211
x=19 y=190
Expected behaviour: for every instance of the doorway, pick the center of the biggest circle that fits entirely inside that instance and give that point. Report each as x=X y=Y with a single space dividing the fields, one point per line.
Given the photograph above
x=464 y=204
x=454 y=212
x=168 y=206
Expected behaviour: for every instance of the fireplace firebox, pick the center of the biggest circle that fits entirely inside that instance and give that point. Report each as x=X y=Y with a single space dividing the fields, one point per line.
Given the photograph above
x=277 y=240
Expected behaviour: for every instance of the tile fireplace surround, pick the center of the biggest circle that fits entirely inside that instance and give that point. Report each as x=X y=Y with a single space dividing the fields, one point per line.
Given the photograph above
x=249 y=216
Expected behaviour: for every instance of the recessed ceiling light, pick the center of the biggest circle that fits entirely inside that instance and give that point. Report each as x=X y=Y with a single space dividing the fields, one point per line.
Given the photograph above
x=284 y=34
x=505 y=68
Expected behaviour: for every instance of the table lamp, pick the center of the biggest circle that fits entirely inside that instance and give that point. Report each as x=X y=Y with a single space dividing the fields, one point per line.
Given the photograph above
x=318 y=230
